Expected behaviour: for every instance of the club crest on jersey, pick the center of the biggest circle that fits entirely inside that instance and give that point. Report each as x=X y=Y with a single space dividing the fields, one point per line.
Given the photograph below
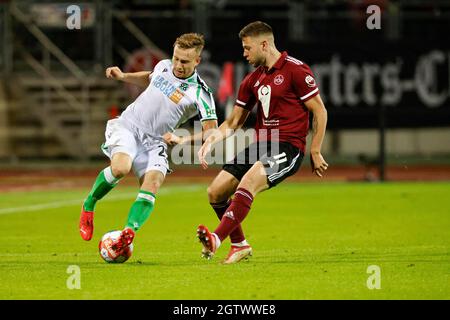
x=310 y=81
x=184 y=86
x=278 y=79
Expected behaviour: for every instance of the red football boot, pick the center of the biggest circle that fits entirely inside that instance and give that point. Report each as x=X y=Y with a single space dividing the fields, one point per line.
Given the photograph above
x=125 y=239
x=208 y=241
x=86 y=224
x=237 y=254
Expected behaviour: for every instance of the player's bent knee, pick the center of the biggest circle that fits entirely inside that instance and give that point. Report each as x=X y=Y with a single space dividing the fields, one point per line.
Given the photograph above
x=216 y=195
x=212 y=194
x=120 y=170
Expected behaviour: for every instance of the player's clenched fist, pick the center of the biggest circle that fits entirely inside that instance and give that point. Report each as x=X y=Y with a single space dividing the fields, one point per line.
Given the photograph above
x=114 y=73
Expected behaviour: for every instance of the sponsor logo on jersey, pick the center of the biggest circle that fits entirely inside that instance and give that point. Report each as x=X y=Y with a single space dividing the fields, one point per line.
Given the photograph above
x=168 y=89
x=264 y=93
x=278 y=79
x=310 y=81
x=271 y=122
x=177 y=96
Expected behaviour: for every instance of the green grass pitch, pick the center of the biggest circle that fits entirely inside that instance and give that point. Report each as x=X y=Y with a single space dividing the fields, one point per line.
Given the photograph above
x=310 y=241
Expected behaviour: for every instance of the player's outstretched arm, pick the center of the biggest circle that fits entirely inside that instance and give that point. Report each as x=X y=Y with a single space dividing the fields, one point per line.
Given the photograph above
x=316 y=106
x=235 y=121
x=141 y=78
x=208 y=127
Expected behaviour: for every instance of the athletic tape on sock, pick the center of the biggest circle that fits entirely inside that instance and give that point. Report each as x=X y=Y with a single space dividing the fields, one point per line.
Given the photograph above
x=109 y=177
x=146 y=196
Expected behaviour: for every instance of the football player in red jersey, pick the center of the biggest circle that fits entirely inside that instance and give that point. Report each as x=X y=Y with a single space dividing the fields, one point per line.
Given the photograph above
x=285 y=92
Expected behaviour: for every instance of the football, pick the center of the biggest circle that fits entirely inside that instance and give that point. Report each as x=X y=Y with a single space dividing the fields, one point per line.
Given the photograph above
x=106 y=241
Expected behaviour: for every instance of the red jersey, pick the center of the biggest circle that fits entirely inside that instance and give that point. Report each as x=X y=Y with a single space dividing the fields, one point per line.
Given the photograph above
x=280 y=94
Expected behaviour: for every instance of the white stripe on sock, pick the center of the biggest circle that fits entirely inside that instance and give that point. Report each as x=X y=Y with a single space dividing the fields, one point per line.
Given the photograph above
x=146 y=196
x=107 y=172
x=245 y=194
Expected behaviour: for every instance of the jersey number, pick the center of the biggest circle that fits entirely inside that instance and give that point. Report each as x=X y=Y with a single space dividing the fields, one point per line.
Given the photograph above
x=264 y=93
x=162 y=153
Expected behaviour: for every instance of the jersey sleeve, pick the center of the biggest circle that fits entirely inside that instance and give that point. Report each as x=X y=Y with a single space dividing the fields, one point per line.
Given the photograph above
x=246 y=99
x=158 y=68
x=206 y=105
x=161 y=65
x=304 y=83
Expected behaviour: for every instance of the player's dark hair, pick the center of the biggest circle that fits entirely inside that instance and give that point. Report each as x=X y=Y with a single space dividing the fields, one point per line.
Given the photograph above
x=190 y=40
x=255 y=29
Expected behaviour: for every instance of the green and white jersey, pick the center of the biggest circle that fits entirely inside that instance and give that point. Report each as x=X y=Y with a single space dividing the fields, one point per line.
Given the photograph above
x=169 y=101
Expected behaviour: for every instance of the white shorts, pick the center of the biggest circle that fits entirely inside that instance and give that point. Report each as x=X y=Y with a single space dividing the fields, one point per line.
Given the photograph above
x=146 y=152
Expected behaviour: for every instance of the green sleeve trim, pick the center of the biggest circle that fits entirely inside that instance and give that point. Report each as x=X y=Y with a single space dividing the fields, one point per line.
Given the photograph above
x=204 y=119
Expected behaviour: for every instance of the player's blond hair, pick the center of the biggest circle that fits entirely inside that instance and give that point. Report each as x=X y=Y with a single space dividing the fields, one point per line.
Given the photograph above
x=189 y=41
x=255 y=29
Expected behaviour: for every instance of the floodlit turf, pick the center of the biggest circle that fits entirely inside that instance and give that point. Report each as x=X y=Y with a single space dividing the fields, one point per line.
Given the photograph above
x=311 y=241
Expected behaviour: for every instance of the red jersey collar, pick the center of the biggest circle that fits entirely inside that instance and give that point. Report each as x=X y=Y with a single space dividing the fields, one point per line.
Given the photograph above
x=280 y=62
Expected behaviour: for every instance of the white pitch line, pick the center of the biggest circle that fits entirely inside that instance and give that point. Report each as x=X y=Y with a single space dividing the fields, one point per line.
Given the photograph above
x=73 y=202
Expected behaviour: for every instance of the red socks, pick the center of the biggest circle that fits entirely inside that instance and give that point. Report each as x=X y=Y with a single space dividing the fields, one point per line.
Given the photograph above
x=237 y=235
x=235 y=213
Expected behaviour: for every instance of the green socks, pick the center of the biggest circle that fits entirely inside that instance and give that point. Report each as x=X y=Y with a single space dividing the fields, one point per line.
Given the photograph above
x=103 y=184
x=140 y=210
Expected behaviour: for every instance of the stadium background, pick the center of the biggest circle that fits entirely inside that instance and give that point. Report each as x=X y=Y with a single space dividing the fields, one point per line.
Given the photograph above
x=55 y=100
x=387 y=91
